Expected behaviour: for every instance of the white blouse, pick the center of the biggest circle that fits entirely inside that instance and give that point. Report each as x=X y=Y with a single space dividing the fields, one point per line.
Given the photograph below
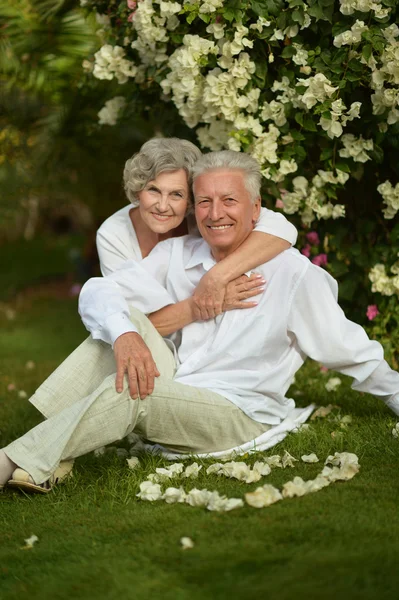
x=117 y=240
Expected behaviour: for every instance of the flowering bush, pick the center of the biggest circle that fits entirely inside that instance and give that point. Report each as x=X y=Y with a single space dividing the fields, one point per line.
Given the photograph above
x=309 y=88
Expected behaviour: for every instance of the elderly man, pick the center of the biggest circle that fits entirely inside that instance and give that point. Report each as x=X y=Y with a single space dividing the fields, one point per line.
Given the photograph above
x=225 y=384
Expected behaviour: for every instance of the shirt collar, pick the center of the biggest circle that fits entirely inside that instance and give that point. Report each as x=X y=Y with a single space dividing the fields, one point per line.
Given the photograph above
x=202 y=255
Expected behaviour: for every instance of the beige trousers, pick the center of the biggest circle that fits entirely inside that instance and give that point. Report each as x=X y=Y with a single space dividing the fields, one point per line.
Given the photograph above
x=85 y=412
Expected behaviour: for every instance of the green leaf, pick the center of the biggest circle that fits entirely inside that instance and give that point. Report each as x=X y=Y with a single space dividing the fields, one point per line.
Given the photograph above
x=260 y=8
x=308 y=123
x=204 y=17
x=326 y=153
x=377 y=154
x=297 y=135
x=229 y=15
x=282 y=20
x=298 y=17
x=341 y=166
x=367 y=51
x=260 y=73
x=191 y=17
x=299 y=118
x=288 y=52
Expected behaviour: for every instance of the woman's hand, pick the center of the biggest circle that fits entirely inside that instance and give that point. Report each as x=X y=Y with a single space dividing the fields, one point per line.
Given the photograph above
x=208 y=297
x=213 y=296
x=242 y=288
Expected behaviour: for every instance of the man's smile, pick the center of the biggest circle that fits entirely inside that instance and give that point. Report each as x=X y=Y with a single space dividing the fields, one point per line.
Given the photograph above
x=219 y=227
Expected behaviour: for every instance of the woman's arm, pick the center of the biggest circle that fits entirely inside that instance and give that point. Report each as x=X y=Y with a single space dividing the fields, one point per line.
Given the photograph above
x=174 y=317
x=272 y=235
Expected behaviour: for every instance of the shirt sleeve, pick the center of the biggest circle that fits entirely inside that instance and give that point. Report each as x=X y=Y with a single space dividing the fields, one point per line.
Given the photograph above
x=276 y=224
x=104 y=301
x=112 y=254
x=325 y=334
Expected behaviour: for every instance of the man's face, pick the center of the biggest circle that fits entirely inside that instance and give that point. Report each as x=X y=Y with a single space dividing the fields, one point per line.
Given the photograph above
x=224 y=211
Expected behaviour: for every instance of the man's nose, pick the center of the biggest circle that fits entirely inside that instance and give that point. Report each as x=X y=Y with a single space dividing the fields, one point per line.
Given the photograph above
x=217 y=211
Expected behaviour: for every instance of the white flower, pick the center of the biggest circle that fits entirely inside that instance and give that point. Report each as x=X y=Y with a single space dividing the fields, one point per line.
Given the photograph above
x=149 y=491
x=109 y=63
x=99 y=451
x=274 y=461
x=296 y=487
x=133 y=462
x=110 y=112
x=192 y=470
x=333 y=384
x=198 y=497
x=288 y=460
x=30 y=542
x=263 y=468
x=265 y=146
x=381 y=281
x=219 y=503
x=287 y=166
x=215 y=468
x=216 y=29
x=186 y=543
x=260 y=24
x=345 y=466
x=322 y=411
x=274 y=111
x=301 y=55
x=310 y=458
x=395 y=431
x=22 y=394
x=173 y=495
x=210 y=6
x=390 y=195
x=167 y=9
x=355 y=148
x=319 y=88
x=263 y=496
x=351 y=36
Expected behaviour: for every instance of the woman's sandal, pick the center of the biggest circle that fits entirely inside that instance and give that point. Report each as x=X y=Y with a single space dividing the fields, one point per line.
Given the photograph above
x=21 y=480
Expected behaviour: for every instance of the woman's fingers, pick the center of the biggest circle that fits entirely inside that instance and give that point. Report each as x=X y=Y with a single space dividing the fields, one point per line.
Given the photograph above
x=245 y=304
x=250 y=293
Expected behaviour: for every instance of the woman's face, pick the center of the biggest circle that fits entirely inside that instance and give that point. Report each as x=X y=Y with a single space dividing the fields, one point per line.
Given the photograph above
x=163 y=201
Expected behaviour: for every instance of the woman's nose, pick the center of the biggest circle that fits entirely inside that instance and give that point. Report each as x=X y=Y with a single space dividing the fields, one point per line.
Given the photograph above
x=163 y=204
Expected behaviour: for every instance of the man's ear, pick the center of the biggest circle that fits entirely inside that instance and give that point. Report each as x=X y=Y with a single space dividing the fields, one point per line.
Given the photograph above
x=256 y=210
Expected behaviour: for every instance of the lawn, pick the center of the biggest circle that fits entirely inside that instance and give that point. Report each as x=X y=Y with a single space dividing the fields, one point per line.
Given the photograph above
x=97 y=540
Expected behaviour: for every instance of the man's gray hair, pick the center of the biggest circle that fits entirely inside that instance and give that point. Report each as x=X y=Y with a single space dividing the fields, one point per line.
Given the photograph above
x=156 y=156
x=228 y=159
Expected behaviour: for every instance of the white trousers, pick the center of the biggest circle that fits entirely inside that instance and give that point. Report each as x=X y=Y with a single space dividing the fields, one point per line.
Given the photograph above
x=84 y=412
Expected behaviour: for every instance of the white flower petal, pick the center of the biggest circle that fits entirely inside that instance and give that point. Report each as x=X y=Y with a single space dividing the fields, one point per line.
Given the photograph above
x=288 y=460
x=186 y=543
x=133 y=462
x=30 y=542
x=263 y=496
x=310 y=458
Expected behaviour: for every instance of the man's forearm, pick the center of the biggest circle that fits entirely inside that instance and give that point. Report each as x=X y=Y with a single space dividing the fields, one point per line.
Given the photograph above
x=173 y=317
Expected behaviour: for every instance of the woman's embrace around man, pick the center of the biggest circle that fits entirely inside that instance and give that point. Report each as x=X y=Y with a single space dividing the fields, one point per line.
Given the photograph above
x=185 y=350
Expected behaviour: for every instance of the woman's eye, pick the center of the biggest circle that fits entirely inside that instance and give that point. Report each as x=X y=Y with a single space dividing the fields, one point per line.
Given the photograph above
x=178 y=194
x=152 y=189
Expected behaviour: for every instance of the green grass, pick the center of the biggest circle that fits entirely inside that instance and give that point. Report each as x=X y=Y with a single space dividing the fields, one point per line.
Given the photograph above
x=97 y=540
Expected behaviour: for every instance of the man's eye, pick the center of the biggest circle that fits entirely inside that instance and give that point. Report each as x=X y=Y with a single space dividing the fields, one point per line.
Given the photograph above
x=230 y=200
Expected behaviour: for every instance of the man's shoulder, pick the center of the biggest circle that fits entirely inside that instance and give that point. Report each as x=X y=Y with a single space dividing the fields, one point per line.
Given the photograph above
x=290 y=261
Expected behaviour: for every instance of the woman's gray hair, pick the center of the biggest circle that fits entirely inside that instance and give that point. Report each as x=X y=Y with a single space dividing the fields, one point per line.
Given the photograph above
x=157 y=156
x=228 y=159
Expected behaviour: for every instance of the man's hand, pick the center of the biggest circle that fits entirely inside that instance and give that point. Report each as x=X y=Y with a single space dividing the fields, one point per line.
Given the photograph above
x=133 y=357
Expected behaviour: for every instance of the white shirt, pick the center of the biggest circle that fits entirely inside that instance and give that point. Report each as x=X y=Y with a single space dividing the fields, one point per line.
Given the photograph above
x=117 y=240
x=248 y=356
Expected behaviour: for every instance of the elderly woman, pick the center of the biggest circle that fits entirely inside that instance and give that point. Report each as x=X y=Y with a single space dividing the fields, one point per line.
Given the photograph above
x=157 y=182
